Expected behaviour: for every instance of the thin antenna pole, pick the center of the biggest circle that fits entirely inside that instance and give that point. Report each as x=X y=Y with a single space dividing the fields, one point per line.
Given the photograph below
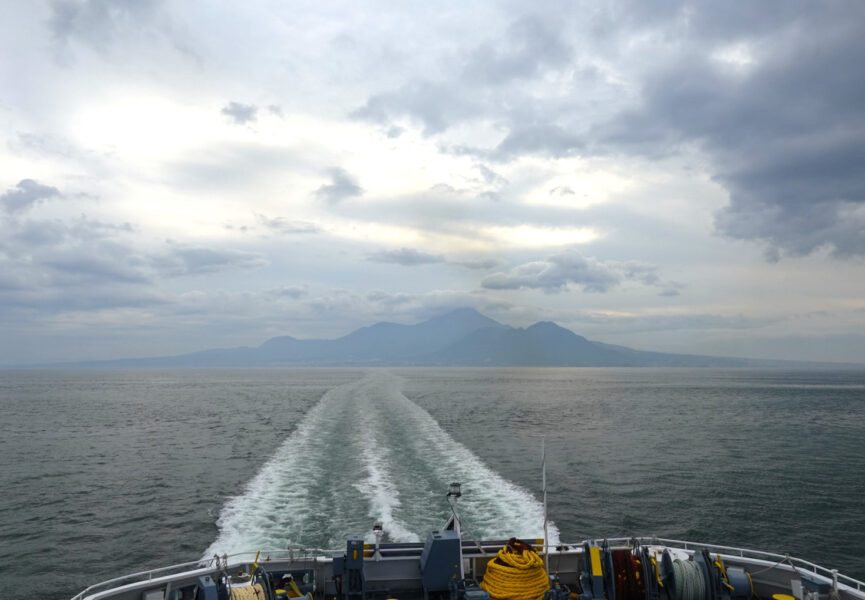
x=544 y=487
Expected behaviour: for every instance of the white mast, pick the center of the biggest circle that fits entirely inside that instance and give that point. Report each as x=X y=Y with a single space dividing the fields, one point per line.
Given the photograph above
x=544 y=488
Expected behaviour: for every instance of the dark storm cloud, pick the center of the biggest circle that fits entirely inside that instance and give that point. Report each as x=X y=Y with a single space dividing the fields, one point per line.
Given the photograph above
x=786 y=134
x=343 y=185
x=558 y=272
x=25 y=195
x=407 y=257
x=771 y=93
x=241 y=114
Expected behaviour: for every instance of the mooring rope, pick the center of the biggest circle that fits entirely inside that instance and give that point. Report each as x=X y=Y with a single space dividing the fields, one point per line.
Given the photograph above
x=689 y=581
x=248 y=592
x=516 y=573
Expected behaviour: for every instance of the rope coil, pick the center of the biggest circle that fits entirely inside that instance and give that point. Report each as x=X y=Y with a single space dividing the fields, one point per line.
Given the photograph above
x=516 y=573
x=689 y=582
x=248 y=592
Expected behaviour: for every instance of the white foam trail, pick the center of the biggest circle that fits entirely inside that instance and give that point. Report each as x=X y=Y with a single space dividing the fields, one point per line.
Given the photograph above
x=378 y=486
x=242 y=522
x=491 y=505
x=367 y=438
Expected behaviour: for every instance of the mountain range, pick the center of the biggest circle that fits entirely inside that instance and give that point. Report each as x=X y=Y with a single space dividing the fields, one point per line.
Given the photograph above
x=462 y=337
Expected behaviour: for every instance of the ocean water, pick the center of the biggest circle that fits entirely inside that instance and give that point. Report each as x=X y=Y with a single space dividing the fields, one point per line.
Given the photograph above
x=105 y=473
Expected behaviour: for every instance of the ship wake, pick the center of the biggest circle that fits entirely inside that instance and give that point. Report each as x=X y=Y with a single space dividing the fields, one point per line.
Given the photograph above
x=367 y=453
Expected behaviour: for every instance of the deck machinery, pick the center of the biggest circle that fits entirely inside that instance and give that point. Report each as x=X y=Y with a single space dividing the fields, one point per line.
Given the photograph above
x=447 y=567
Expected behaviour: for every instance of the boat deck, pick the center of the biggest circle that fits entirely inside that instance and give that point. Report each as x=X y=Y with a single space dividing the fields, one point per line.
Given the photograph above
x=395 y=571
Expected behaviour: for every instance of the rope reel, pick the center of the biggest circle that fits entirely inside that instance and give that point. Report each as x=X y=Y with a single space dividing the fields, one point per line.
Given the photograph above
x=248 y=592
x=628 y=575
x=634 y=573
x=688 y=580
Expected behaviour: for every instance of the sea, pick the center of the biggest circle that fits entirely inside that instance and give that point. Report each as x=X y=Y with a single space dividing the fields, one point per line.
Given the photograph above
x=104 y=473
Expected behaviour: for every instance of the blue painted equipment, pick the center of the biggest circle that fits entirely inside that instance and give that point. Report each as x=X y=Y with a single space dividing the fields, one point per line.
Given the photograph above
x=467 y=589
x=348 y=570
x=207 y=589
x=557 y=591
x=440 y=561
x=743 y=587
x=592 y=577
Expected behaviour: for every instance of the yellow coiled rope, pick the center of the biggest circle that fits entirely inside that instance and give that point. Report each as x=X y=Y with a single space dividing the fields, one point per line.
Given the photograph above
x=516 y=573
x=248 y=592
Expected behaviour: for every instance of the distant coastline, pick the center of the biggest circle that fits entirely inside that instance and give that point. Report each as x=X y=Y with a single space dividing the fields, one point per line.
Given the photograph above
x=462 y=337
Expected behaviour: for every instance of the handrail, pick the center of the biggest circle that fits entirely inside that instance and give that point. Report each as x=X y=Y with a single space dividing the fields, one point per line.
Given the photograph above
x=202 y=564
x=319 y=553
x=830 y=574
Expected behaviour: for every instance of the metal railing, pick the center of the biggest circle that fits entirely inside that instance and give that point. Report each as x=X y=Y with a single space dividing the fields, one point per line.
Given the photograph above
x=205 y=565
x=315 y=554
x=771 y=557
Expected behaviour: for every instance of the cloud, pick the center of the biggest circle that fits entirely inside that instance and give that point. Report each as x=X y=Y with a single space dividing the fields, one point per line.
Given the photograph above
x=673 y=322
x=342 y=186
x=779 y=116
x=768 y=99
x=183 y=260
x=526 y=48
x=436 y=105
x=25 y=195
x=32 y=233
x=282 y=226
x=85 y=267
x=480 y=264
x=562 y=191
x=241 y=114
x=118 y=26
x=232 y=165
x=97 y=21
x=491 y=177
x=541 y=139
x=407 y=257
x=488 y=82
x=555 y=274
x=560 y=271
x=292 y=292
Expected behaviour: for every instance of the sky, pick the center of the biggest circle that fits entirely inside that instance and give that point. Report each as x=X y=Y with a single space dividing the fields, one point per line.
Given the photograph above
x=681 y=177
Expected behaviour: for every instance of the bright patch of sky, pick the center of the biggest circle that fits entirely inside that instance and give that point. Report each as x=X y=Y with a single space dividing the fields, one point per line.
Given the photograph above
x=676 y=177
